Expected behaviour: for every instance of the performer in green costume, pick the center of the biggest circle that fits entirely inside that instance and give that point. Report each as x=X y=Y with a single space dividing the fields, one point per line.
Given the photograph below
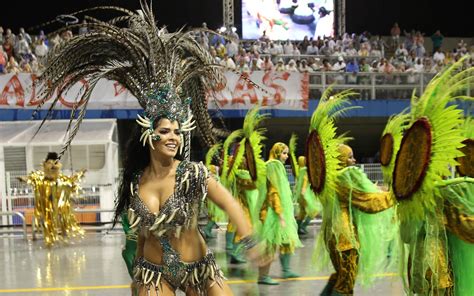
x=357 y=228
x=244 y=174
x=308 y=206
x=279 y=229
x=426 y=200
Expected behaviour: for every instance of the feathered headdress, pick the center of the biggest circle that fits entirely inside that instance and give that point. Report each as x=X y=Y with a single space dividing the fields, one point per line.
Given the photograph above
x=466 y=162
x=230 y=163
x=431 y=142
x=248 y=141
x=390 y=143
x=170 y=74
x=322 y=143
x=253 y=138
x=212 y=153
x=292 y=147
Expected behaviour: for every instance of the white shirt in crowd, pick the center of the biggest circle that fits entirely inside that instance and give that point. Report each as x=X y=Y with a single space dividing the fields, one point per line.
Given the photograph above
x=279 y=48
x=228 y=63
x=438 y=56
x=418 y=67
x=23 y=47
x=331 y=43
x=295 y=51
x=351 y=51
x=311 y=49
x=232 y=48
x=41 y=50
x=291 y=67
x=273 y=50
x=288 y=48
x=339 y=66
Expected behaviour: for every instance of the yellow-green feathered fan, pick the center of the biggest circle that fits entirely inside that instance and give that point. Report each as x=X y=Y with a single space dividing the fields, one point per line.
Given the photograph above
x=322 y=143
x=431 y=142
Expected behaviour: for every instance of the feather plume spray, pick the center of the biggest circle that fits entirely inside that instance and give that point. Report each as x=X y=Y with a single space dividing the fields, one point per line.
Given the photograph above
x=139 y=56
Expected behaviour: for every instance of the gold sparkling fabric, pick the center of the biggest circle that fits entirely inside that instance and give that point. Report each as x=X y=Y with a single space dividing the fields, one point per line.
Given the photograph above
x=272 y=200
x=53 y=210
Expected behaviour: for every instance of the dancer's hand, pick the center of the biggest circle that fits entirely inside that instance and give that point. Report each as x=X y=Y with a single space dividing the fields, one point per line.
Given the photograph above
x=258 y=257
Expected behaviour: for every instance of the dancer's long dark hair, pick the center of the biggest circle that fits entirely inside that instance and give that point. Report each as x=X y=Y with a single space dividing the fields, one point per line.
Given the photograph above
x=135 y=159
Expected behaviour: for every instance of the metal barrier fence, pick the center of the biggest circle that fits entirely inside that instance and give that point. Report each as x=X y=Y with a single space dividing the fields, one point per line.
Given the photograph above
x=14 y=229
x=371 y=85
x=19 y=198
x=373 y=171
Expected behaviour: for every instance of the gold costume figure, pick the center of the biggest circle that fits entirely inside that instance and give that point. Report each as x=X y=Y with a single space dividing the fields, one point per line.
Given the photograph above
x=53 y=193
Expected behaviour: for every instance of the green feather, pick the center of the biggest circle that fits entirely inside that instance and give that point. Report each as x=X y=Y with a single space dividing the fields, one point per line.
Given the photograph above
x=232 y=138
x=468 y=128
x=396 y=125
x=212 y=152
x=447 y=135
x=292 y=147
x=330 y=107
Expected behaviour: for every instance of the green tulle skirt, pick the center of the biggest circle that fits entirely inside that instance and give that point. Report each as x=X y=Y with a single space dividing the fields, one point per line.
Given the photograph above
x=307 y=203
x=462 y=262
x=274 y=235
x=271 y=232
x=459 y=192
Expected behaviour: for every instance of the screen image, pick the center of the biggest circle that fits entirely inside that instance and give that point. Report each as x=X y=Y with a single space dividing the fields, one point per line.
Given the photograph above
x=287 y=19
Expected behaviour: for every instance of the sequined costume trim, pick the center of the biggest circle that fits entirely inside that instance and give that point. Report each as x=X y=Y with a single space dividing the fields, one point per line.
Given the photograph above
x=179 y=210
x=198 y=275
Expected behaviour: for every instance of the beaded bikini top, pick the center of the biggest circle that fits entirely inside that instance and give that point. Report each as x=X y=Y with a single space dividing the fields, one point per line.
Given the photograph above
x=179 y=210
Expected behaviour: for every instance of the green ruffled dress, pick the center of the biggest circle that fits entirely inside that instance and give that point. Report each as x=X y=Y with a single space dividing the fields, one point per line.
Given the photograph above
x=459 y=193
x=312 y=206
x=271 y=232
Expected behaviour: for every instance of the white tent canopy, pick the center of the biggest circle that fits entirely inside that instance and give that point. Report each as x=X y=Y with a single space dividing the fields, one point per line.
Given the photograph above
x=95 y=148
x=91 y=131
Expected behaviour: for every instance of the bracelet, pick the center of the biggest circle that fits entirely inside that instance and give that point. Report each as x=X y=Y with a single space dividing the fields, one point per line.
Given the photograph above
x=248 y=242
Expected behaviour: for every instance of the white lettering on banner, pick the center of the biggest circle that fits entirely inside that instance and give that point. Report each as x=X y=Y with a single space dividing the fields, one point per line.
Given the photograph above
x=284 y=90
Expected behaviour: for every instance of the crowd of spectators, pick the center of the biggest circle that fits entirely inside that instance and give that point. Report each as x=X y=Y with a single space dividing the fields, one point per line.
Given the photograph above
x=26 y=53
x=349 y=53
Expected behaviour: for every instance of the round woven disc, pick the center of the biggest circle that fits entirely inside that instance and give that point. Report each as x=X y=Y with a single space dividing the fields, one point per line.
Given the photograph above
x=315 y=161
x=466 y=163
x=250 y=160
x=386 y=149
x=412 y=160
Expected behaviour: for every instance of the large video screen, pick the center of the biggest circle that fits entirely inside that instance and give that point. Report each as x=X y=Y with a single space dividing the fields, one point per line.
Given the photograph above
x=287 y=19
